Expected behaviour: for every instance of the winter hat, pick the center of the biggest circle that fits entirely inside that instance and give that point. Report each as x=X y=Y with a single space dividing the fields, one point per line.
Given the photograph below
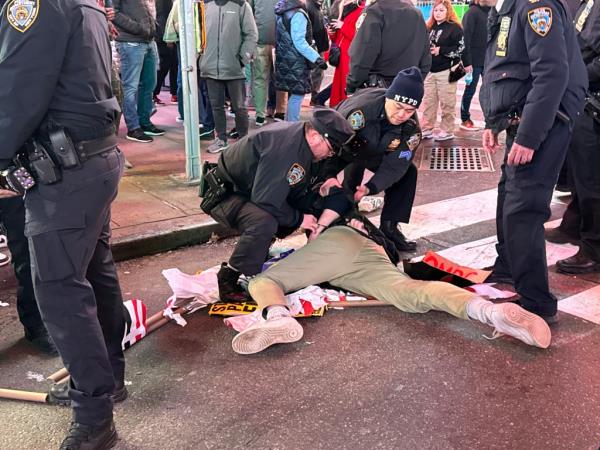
x=407 y=87
x=332 y=126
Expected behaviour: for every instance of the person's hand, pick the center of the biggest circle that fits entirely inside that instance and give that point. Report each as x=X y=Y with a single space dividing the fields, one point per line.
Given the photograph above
x=469 y=69
x=327 y=185
x=112 y=30
x=110 y=13
x=336 y=24
x=357 y=224
x=490 y=141
x=309 y=223
x=321 y=64
x=435 y=51
x=519 y=155
x=7 y=193
x=361 y=191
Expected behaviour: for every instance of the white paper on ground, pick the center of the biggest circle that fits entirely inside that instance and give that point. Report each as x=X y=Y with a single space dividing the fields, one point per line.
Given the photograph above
x=487 y=290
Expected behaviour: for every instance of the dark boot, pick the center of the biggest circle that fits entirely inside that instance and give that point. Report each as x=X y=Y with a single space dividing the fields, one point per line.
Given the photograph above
x=229 y=289
x=392 y=232
x=42 y=341
x=558 y=236
x=100 y=436
x=59 y=394
x=577 y=264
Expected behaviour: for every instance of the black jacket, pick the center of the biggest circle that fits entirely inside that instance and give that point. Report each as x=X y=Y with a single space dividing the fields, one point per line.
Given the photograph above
x=534 y=69
x=163 y=8
x=449 y=38
x=386 y=149
x=474 y=24
x=587 y=26
x=292 y=70
x=390 y=36
x=271 y=168
x=313 y=7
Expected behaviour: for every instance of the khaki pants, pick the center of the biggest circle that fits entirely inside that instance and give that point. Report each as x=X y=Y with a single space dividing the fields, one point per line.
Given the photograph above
x=439 y=90
x=354 y=263
x=261 y=71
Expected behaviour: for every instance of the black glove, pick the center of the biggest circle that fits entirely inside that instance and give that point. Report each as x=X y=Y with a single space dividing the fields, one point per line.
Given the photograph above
x=321 y=64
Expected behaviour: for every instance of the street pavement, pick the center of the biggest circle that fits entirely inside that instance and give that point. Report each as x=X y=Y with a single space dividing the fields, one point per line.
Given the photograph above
x=360 y=378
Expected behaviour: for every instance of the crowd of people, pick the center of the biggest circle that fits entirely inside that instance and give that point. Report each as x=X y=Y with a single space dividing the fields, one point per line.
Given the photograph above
x=541 y=69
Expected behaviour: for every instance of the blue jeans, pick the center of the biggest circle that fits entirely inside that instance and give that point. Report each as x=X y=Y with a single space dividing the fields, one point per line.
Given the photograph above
x=469 y=93
x=138 y=76
x=293 y=108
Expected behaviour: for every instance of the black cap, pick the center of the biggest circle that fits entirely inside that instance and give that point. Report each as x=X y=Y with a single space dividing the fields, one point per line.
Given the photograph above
x=407 y=87
x=332 y=126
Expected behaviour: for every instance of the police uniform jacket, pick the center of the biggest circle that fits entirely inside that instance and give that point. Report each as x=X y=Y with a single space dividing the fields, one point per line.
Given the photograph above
x=587 y=25
x=386 y=149
x=390 y=36
x=43 y=52
x=533 y=67
x=271 y=168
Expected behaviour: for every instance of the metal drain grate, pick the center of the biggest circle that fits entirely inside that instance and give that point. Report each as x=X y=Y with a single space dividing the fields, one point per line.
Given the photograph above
x=457 y=159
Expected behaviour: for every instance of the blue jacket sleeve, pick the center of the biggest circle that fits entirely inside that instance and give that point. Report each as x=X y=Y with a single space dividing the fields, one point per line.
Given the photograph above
x=298 y=32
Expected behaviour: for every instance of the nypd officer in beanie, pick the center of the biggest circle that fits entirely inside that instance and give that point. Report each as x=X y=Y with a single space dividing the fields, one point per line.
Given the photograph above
x=268 y=177
x=387 y=134
x=533 y=87
x=390 y=36
x=55 y=66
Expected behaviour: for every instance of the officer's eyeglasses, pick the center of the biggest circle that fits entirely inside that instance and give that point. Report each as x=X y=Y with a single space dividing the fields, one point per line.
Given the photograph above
x=331 y=151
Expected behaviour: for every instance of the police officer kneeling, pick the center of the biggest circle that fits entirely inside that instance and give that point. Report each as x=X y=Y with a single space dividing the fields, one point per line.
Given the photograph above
x=387 y=135
x=55 y=62
x=263 y=189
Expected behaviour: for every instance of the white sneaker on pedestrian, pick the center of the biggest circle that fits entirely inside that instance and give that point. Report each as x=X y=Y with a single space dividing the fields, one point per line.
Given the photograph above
x=179 y=119
x=4 y=259
x=426 y=134
x=3 y=241
x=443 y=136
x=218 y=146
x=263 y=334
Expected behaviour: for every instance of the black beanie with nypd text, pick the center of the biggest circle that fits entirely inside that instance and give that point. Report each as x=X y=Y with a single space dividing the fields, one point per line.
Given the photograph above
x=407 y=87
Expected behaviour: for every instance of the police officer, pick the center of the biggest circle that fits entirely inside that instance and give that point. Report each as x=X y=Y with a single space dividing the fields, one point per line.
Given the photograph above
x=12 y=215
x=390 y=36
x=55 y=65
x=268 y=177
x=581 y=221
x=387 y=135
x=533 y=87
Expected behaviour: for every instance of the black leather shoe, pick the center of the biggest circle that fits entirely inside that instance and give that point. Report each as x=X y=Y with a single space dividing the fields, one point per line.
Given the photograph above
x=59 y=394
x=550 y=319
x=229 y=288
x=578 y=263
x=558 y=236
x=42 y=341
x=100 y=436
x=392 y=232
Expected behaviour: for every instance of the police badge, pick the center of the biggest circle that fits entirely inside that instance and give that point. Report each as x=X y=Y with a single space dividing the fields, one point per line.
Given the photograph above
x=22 y=13
x=357 y=120
x=540 y=20
x=296 y=174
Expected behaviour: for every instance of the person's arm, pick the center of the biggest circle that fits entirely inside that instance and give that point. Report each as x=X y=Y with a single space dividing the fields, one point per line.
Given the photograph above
x=327 y=217
x=593 y=70
x=469 y=25
x=365 y=48
x=425 y=62
x=454 y=44
x=171 y=29
x=298 y=26
x=249 y=35
x=30 y=65
x=126 y=23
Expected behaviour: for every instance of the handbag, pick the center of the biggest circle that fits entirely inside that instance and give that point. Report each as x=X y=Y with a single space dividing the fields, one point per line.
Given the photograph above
x=456 y=72
x=335 y=53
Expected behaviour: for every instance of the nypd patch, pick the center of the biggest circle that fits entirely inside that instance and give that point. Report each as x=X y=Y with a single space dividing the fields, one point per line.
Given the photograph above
x=406 y=154
x=540 y=20
x=296 y=174
x=357 y=120
x=21 y=14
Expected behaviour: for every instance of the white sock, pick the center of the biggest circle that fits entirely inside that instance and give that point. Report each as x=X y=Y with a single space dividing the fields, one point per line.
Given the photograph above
x=480 y=309
x=277 y=311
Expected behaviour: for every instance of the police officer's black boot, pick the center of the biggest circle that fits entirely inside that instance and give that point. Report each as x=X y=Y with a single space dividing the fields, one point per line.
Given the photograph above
x=392 y=232
x=99 y=436
x=42 y=341
x=59 y=394
x=229 y=289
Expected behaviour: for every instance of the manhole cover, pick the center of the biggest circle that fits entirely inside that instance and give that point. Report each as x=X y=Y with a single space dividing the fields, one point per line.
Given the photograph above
x=457 y=159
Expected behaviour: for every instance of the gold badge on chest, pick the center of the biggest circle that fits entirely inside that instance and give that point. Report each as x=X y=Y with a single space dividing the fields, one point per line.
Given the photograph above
x=502 y=41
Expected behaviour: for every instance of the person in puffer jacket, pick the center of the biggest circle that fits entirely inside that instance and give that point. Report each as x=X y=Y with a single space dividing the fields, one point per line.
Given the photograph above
x=294 y=54
x=231 y=45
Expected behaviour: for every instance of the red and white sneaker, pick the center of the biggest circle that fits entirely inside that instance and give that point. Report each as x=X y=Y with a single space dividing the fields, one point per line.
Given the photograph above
x=469 y=126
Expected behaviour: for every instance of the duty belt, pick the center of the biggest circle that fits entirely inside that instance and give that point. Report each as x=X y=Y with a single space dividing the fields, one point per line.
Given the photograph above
x=87 y=149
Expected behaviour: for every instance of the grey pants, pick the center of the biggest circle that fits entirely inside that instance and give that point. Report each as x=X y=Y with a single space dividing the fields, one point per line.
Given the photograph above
x=237 y=95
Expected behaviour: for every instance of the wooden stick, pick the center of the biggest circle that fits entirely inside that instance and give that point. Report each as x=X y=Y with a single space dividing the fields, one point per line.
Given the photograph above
x=13 y=394
x=357 y=304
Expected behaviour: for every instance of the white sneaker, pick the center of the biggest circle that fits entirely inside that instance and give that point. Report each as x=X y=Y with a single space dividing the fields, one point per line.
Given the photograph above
x=3 y=241
x=179 y=119
x=263 y=334
x=4 y=259
x=426 y=134
x=443 y=136
x=512 y=320
x=217 y=147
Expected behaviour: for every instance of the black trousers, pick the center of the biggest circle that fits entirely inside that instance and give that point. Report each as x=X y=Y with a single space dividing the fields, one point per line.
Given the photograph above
x=398 y=198
x=168 y=63
x=582 y=218
x=524 y=194
x=12 y=214
x=75 y=279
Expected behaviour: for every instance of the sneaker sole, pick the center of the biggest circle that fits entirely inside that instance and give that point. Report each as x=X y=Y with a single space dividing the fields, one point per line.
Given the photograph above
x=443 y=138
x=278 y=331
x=529 y=328
x=138 y=140
x=151 y=133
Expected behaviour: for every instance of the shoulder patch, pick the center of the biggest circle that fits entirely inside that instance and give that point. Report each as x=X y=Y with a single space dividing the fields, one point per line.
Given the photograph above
x=296 y=174
x=21 y=14
x=540 y=20
x=406 y=154
x=356 y=120
x=360 y=20
x=414 y=141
